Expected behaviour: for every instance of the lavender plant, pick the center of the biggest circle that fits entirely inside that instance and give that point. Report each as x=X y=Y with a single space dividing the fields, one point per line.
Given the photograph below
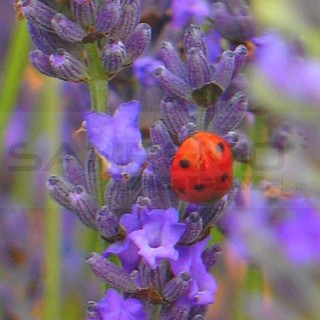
x=124 y=189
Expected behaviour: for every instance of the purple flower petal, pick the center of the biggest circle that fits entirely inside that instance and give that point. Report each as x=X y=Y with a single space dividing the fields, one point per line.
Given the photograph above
x=118 y=138
x=160 y=232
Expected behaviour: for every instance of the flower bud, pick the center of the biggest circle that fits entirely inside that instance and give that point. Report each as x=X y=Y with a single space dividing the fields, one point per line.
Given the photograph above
x=74 y=171
x=66 y=29
x=198 y=68
x=145 y=274
x=111 y=273
x=160 y=135
x=38 y=13
x=84 y=12
x=108 y=15
x=91 y=168
x=137 y=42
x=42 y=63
x=225 y=69
x=113 y=56
x=210 y=256
x=83 y=206
x=120 y=194
x=230 y=114
x=176 y=287
x=172 y=83
x=161 y=195
x=241 y=55
x=45 y=41
x=130 y=17
x=195 y=38
x=59 y=190
x=160 y=163
x=107 y=224
x=194 y=228
x=67 y=67
x=172 y=61
x=175 y=113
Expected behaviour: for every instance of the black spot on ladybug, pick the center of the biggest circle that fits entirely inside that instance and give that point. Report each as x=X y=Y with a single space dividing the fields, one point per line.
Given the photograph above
x=184 y=163
x=224 y=177
x=181 y=190
x=198 y=187
x=220 y=147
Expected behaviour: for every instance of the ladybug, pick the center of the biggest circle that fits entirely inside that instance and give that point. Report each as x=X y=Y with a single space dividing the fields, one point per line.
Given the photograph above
x=202 y=168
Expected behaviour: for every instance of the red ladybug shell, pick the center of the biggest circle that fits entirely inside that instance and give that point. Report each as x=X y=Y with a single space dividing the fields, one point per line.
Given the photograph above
x=202 y=168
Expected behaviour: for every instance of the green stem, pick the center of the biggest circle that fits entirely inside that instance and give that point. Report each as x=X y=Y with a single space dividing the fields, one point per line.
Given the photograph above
x=16 y=62
x=53 y=233
x=98 y=86
x=201 y=120
x=98 y=80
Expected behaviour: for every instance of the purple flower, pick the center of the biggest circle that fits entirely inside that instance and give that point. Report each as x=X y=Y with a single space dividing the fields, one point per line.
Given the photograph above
x=185 y=12
x=144 y=68
x=118 y=139
x=287 y=70
x=114 y=306
x=159 y=233
x=299 y=231
x=203 y=286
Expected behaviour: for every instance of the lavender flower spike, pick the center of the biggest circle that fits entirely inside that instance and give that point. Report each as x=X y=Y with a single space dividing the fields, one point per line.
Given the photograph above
x=118 y=139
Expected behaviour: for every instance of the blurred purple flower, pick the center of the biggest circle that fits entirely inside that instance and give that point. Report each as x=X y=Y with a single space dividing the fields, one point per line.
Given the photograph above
x=114 y=306
x=293 y=222
x=188 y=11
x=118 y=139
x=299 y=230
x=283 y=65
x=143 y=68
